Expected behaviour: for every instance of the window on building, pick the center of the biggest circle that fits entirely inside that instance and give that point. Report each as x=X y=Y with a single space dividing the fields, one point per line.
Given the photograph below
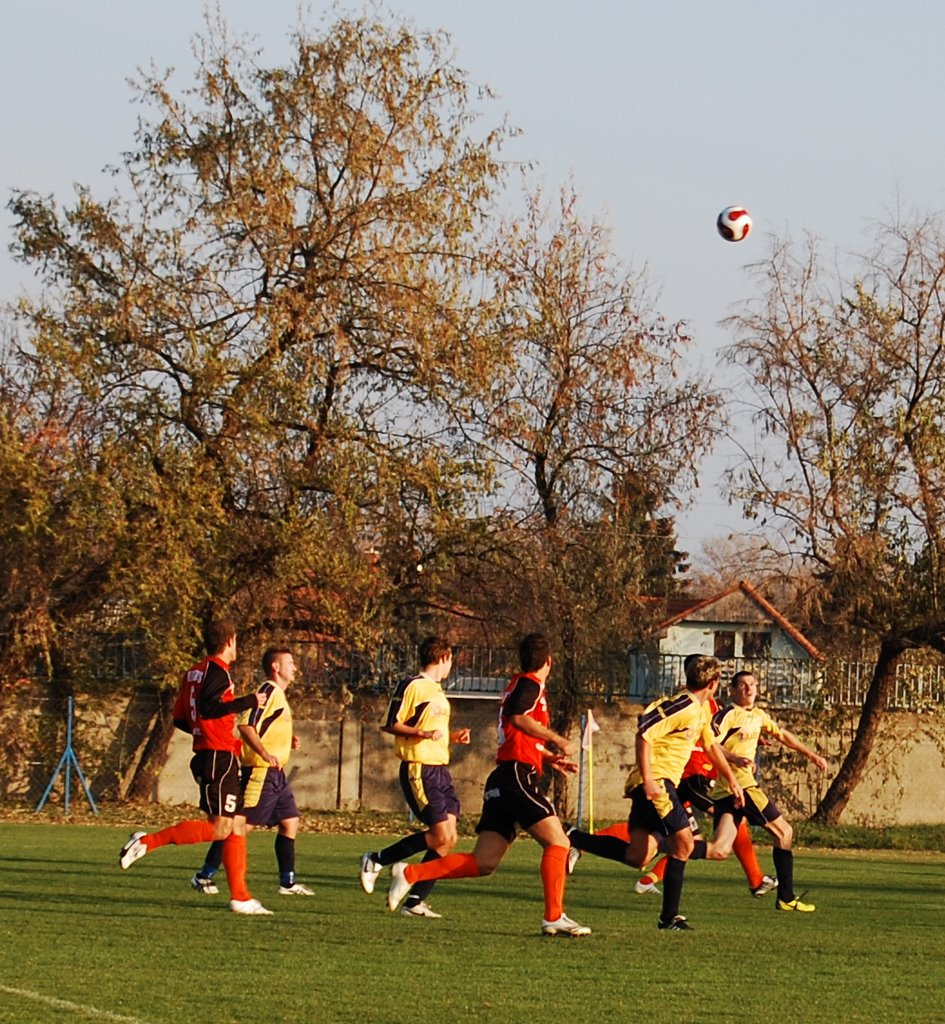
x=756 y=645
x=724 y=647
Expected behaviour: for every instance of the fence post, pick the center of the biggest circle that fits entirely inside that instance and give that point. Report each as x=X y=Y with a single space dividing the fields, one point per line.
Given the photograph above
x=68 y=761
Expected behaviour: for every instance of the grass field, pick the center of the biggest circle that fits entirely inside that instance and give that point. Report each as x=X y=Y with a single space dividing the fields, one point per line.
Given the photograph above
x=84 y=941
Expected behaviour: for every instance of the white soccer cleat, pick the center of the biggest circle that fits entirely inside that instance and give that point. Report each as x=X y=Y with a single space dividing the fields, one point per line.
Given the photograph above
x=250 y=906
x=642 y=887
x=133 y=850
x=767 y=884
x=574 y=855
x=399 y=886
x=296 y=889
x=420 y=910
x=204 y=885
x=370 y=869
x=565 y=927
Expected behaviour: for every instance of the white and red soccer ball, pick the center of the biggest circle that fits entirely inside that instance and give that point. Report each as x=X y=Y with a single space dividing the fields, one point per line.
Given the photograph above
x=734 y=223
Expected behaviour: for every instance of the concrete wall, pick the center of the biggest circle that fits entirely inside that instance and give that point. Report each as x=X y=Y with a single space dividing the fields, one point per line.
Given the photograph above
x=345 y=762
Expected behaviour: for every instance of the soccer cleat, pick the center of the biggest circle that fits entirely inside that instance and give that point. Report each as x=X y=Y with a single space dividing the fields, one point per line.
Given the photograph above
x=678 y=924
x=133 y=850
x=296 y=889
x=795 y=904
x=419 y=910
x=399 y=886
x=574 y=855
x=767 y=884
x=204 y=885
x=370 y=869
x=250 y=906
x=564 y=926
x=639 y=886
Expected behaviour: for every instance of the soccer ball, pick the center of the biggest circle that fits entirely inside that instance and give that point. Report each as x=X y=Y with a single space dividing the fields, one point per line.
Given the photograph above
x=734 y=223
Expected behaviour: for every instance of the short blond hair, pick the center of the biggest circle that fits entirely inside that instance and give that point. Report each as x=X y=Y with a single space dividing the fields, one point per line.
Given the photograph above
x=702 y=672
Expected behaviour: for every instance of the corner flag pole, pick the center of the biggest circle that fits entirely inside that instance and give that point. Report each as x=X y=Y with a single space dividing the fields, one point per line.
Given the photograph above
x=67 y=761
x=587 y=745
x=580 y=799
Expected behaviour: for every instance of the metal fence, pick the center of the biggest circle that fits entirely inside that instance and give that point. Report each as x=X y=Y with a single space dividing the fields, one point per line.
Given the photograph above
x=783 y=682
x=800 y=683
x=331 y=668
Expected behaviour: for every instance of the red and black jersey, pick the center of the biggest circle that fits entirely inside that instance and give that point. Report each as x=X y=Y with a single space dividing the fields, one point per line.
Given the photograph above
x=207 y=708
x=525 y=695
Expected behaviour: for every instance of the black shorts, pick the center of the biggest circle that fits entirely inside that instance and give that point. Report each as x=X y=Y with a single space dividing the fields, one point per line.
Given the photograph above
x=758 y=809
x=512 y=798
x=428 y=790
x=694 y=790
x=217 y=774
x=664 y=817
x=267 y=797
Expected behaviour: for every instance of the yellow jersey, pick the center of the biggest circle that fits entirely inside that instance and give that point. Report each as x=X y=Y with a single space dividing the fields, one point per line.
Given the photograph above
x=739 y=730
x=273 y=722
x=421 y=702
x=672 y=726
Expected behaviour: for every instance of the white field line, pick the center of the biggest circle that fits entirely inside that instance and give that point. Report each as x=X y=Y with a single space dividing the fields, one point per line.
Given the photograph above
x=62 y=1004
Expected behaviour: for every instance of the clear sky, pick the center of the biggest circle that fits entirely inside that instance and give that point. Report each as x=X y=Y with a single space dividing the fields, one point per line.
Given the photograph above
x=818 y=116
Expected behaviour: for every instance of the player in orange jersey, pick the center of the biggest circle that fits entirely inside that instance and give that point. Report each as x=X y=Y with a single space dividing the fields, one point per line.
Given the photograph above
x=513 y=798
x=206 y=708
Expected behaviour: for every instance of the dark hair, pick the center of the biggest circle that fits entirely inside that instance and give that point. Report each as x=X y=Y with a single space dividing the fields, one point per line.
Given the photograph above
x=432 y=649
x=702 y=672
x=533 y=651
x=689 y=659
x=216 y=635
x=269 y=658
x=739 y=676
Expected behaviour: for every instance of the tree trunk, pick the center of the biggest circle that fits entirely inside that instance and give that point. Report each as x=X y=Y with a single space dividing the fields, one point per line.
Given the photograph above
x=152 y=757
x=565 y=712
x=874 y=705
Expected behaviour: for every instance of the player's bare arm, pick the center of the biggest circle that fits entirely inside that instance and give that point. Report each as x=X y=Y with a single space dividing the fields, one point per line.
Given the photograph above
x=718 y=758
x=790 y=740
x=651 y=786
x=561 y=764
x=252 y=739
x=532 y=728
x=412 y=732
x=737 y=759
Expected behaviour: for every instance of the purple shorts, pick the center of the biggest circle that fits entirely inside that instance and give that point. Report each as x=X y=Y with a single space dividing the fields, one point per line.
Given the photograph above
x=267 y=797
x=428 y=789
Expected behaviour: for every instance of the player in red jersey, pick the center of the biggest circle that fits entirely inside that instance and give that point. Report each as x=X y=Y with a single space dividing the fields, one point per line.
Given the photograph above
x=206 y=708
x=512 y=798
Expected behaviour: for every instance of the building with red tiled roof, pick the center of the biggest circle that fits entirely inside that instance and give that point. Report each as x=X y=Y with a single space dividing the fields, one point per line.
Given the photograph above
x=737 y=625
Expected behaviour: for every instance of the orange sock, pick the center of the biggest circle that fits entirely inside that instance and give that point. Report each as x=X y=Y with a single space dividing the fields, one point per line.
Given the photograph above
x=619 y=831
x=234 y=861
x=453 y=865
x=184 y=833
x=655 y=874
x=554 y=871
x=744 y=850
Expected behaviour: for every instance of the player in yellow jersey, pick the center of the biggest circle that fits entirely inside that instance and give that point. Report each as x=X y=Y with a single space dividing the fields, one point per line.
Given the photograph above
x=740 y=725
x=668 y=730
x=419 y=720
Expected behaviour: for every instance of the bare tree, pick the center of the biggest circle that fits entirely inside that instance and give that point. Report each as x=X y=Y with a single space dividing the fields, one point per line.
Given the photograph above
x=849 y=378
x=596 y=429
